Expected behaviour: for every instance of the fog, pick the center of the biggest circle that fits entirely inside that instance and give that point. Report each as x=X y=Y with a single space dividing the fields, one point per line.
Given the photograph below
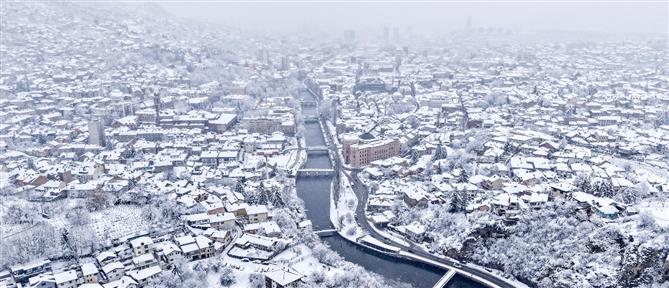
x=429 y=17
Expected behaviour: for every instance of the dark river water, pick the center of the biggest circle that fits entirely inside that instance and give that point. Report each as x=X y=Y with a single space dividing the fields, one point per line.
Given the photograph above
x=315 y=192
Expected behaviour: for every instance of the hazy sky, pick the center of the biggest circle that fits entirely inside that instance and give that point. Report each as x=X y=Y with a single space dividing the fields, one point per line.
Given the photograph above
x=431 y=16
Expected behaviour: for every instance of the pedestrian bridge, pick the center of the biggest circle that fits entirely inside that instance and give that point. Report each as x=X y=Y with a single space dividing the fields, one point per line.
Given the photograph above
x=444 y=280
x=326 y=232
x=315 y=172
x=311 y=119
x=317 y=150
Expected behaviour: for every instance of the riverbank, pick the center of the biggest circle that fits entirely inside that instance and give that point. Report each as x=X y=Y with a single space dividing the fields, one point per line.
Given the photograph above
x=344 y=212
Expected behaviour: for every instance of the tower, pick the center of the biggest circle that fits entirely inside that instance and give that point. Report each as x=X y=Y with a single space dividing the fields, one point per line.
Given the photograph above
x=96 y=133
x=285 y=63
x=349 y=36
x=156 y=106
x=263 y=56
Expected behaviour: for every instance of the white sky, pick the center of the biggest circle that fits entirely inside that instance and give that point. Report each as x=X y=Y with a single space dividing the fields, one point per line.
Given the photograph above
x=431 y=17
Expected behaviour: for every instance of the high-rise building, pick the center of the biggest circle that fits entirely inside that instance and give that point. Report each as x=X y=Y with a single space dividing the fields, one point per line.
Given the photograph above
x=386 y=34
x=96 y=133
x=285 y=63
x=349 y=36
x=263 y=56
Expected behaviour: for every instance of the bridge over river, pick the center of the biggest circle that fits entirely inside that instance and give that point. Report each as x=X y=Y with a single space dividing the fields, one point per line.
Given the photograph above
x=315 y=192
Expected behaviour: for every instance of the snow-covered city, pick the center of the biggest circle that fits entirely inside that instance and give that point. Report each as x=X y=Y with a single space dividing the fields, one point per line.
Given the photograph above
x=141 y=146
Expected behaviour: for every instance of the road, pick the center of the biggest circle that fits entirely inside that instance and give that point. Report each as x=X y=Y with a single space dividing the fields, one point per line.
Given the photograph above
x=362 y=193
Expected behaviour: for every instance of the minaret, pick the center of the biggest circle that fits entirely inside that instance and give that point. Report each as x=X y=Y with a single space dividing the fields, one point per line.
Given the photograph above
x=156 y=105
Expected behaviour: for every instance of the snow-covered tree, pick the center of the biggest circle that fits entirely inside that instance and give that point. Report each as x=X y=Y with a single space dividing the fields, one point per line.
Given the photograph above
x=78 y=216
x=256 y=280
x=18 y=214
x=227 y=277
x=459 y=201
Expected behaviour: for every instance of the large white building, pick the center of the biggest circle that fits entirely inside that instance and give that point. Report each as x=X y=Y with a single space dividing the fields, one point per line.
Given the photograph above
x=358 y=152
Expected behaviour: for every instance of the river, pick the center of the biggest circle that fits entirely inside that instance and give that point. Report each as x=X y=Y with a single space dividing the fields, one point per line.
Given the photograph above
x=315 y=192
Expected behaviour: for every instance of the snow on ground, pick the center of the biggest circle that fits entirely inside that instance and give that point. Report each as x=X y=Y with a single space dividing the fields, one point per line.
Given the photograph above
x=251 y=253
x=332 y=128
x=640 y=168
x=117 y=221
x=391 y=236
x=242 y=270
x=346 y=205
x=366 y=181
x=499 y=273
x=241 y=274
x=291 y=160
x=9 y=230
x=282 y=161
x=300 y=159
x=111 y=223
x=334 y=215
x=298 y=257
x=387 y=234
x=658 y=209
x=241 y=279
x=303 y=142
x=338 y=151
x=301 y=259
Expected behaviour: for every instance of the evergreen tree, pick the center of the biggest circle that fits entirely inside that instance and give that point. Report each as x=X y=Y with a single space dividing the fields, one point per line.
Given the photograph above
x=249 y=196
x=262 y=194
x=602 y=189
x=277 y=199
x=508 y=148
x=583 y=182
x=239 y=187
x=464 y=176
x=459 y=201
x=262 y=197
